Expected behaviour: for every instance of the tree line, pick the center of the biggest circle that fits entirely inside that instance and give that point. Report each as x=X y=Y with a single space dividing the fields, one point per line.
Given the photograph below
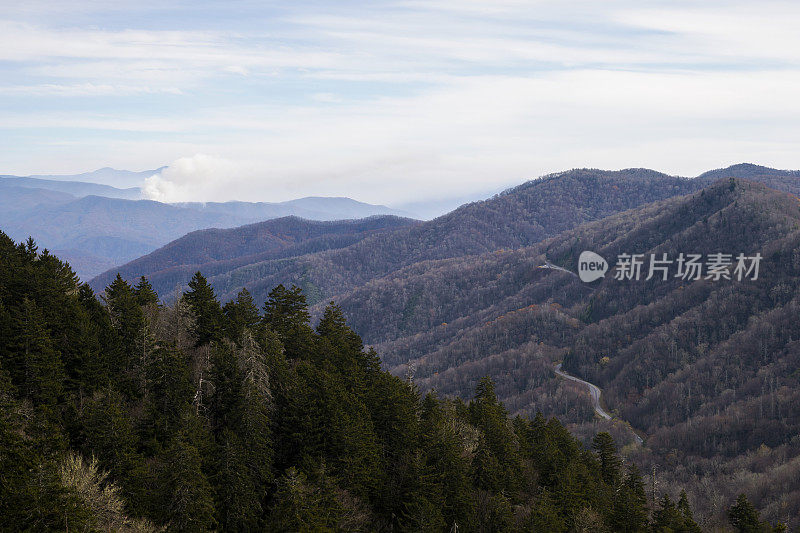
x=119 y=413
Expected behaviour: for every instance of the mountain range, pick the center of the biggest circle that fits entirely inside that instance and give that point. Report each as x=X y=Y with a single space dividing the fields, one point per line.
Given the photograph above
x=706 y=372
x=96 y=227
x=517 y=217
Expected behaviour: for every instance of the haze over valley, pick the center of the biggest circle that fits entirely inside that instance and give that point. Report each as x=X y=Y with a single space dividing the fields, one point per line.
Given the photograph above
x=400 y=266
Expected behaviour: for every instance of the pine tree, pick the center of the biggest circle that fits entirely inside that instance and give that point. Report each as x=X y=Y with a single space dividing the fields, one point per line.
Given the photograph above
x=333 y=328
x=667 y=518
x=87 y=365
x=629 y=512
x=241 y=314
x=297 y=507
x=226 y=385
x=286 y=313
x=254 y=418
x=128 y=320
x=109 y=434
x=43 y=372
x=545 y=516
x=206 y=309
x=102 y=499
x=497 y=459
x=603 y=444
x=358 y=448
x=393 y=406
x=238 y=495
x=144 y=293
x=689 y=525
x=745 y=518
x=171 y=391
x=190 y=503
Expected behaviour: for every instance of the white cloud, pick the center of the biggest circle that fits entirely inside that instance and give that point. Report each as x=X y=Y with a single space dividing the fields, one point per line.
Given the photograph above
x=200 y=177
x=237 y=69
x=85 y=89
x=397 y=100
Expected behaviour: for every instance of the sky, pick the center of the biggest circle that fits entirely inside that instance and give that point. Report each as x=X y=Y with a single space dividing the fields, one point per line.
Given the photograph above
x=397 y=101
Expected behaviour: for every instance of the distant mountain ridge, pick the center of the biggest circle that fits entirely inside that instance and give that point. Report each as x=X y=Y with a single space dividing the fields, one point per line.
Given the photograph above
x=310 y=207
x=95 y=226
x=217 y=251
x=106 y=176
x=74 y=188
x=519 y=216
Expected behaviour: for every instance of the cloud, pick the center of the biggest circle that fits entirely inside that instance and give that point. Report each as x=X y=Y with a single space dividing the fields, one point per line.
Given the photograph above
x=197 y=178
x=85 y=89
x=393 y=100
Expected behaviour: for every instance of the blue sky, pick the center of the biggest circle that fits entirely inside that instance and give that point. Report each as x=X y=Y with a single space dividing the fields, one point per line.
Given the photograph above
x=393 y=101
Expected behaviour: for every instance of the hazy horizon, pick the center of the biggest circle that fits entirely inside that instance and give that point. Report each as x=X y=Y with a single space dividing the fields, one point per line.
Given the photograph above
x=394 y=99
x=423 y=207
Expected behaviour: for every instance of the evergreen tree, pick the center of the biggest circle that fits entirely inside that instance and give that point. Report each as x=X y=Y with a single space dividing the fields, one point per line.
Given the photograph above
x=603 y=444
x=128 y=320
x=689 y=525
x=746 y=519
x=190 y=503
x=109 y=434
x=299 y=507
x=144 y=293
x=87 y=365
x=286 y=313
x=206 y=309
x=629 y=512
x=239 y=497
x=192 y=409
x=667 y=518
x=241 y=314
x=171 y=392
x=333 y=328
x=545 y=515
x=43 y=372
x=496 y=463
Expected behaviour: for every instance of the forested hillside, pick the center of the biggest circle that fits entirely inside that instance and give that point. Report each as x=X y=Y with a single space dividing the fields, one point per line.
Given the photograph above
x=707 y=371
x=519 y=217
x=781 y=180
x=130 y=416
x=215 y=251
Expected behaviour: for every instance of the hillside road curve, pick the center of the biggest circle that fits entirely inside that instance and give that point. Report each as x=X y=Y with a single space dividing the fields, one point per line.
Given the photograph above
x=594 y=392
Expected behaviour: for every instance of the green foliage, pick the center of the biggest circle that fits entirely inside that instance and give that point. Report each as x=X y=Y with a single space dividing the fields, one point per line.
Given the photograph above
x=189 y=504
x=746 y=519
x=207 y=311
x=195 y=417
x=610 y=463
x=42 y=375
x=286 y=313
x=144 y=293
x=668 y=517
x=241 y=314
x=629 y=512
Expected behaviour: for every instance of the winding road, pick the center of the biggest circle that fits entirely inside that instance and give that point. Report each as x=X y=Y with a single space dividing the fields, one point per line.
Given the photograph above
x=594 y=392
